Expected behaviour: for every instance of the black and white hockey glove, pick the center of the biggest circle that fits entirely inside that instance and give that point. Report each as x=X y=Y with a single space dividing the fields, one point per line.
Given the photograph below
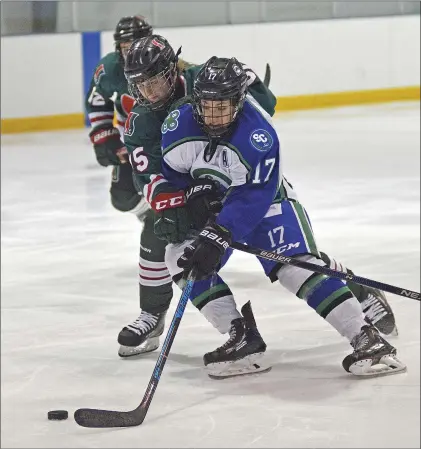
x=109 y=149
x=203 y=201
x=205 y=253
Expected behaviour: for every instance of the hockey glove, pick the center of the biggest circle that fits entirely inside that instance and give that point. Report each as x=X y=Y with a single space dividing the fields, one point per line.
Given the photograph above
x=203 y=201
x=205 y=253
x=109 y=149
x=172 y=221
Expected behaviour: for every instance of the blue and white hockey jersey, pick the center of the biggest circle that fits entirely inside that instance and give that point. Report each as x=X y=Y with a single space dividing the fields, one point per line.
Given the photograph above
x=247 y=165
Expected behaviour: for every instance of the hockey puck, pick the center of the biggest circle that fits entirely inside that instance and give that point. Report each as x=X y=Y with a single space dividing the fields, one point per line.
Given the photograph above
x=58 y=415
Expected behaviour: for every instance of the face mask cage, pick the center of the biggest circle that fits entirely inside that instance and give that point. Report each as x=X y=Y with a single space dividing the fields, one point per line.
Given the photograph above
x=155 y=92
x=217 y=116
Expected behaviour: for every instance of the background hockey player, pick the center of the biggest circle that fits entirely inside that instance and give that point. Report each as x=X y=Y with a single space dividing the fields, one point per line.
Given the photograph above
x=156 y=80
x=108 y=95
x=226 y=135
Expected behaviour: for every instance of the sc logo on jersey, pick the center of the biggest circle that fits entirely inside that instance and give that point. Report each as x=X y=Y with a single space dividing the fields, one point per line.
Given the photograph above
x=261 y=140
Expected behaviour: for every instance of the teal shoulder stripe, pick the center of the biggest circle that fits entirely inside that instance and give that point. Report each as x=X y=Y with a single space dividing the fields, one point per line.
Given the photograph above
x=262 y=112
x=282 y=194
x=209 y=171
x=181 y=141
x=254 y=106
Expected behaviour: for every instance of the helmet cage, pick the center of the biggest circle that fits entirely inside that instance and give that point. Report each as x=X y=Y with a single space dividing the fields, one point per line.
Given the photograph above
x=219 y=93
x=220 y=110
x=142 y=86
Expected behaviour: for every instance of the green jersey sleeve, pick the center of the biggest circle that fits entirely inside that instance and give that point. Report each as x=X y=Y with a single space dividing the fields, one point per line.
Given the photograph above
x=142 y=137
x=263 y=95
x=98 y=101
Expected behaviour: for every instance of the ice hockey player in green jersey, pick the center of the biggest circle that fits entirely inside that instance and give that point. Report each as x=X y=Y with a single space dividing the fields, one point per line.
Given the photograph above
x=108 y=95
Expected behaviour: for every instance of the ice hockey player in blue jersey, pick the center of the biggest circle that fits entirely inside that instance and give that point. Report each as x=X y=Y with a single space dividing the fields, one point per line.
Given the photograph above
x=222 y=139
x=157 y=78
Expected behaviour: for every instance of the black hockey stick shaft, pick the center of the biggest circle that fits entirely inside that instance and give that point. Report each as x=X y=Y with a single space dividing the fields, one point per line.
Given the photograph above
x=269 y=255
x=88 y=417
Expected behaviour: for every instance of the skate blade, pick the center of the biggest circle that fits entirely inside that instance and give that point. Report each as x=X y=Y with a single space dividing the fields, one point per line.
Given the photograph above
x=393 y=333
x=261 y=370
x=148 y=346
x=243 y=367
x=388 y=364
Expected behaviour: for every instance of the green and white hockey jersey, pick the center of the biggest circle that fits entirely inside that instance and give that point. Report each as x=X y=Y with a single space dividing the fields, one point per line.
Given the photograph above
x=109 y=92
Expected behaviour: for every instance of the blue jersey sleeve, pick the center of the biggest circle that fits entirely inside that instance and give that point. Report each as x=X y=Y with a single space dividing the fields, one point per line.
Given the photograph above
x=175 y=178
x=246 y=205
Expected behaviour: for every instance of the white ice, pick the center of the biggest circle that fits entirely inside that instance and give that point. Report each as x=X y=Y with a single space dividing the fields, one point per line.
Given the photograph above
x=69 y=284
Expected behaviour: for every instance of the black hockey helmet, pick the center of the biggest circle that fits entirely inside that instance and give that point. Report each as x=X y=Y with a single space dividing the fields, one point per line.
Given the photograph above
x=130 y=28
x=218 y=94
x=151 y=71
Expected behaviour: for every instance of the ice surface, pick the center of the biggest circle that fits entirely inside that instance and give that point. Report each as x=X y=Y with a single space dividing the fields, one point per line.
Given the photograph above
x=69 y=284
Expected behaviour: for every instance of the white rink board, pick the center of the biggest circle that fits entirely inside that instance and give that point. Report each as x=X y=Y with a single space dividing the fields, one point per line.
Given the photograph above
x=47 y=80
x=307 y=57
x=69 y=283
x=311 y=56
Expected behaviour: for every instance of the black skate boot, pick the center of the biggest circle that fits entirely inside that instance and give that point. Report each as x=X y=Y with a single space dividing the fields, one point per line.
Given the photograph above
x=142 y=335
x=372 y=356
x=377 y=311
x=241 y=353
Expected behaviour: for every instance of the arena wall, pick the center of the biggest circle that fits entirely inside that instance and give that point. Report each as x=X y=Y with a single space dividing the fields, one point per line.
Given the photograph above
x=314 y=64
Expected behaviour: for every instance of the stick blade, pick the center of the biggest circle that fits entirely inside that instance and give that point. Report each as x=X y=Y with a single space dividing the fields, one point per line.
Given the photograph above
x=96 y=418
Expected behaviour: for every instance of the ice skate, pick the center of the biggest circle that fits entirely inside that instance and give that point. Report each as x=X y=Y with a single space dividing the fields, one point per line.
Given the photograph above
x=242 y=353
x=142 y=335
x=372 y=356
x=378 y=311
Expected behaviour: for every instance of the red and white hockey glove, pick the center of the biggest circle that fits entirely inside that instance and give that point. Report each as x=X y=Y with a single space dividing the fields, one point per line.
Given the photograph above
x=172 y=222
x=109 y=149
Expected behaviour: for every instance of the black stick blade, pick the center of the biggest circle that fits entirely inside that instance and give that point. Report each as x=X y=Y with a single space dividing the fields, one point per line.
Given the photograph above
x=91 y=417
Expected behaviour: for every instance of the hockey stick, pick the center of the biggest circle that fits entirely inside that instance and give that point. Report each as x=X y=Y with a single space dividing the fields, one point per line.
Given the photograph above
x=266 y=81
x=91 y=417
x=325 y=270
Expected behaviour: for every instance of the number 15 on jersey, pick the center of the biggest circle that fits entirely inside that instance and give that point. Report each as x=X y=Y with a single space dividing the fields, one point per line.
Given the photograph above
x=139 y=160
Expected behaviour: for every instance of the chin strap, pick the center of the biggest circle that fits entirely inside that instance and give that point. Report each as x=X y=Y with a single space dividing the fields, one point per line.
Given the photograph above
x=210 y=149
